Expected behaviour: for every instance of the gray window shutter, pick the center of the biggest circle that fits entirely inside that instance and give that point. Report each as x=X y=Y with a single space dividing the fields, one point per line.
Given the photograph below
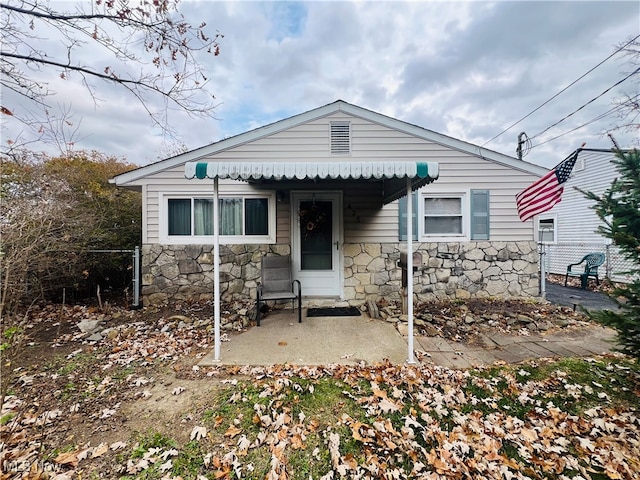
x=479 y=214
x=402 y=217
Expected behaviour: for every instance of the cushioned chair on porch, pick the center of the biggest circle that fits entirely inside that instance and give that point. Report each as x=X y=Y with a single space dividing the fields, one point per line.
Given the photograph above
x=591 y=263
x=277 y=283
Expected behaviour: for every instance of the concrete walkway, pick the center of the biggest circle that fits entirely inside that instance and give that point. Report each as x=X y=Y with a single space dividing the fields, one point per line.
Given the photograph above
x=497 y=347
x=352 y=340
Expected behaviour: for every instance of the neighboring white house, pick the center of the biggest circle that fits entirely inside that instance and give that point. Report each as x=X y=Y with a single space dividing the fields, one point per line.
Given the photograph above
x=307 y=186
x=569 y=229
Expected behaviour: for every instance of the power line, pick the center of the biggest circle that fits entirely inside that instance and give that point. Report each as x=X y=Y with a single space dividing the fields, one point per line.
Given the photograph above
x=561 y=91
x=588 y=103
x=599 y=117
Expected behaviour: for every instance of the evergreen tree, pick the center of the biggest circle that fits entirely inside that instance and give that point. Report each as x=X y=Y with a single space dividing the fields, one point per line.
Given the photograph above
x=619 y=209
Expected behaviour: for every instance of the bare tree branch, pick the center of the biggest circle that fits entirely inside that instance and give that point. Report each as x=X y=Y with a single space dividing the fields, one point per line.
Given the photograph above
x=628 y=105
x=150 y=33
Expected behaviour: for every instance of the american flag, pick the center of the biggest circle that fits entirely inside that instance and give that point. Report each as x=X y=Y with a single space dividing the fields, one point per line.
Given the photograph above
x=543 y=194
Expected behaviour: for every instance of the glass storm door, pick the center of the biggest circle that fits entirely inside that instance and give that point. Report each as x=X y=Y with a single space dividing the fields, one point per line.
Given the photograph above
x=316 y=243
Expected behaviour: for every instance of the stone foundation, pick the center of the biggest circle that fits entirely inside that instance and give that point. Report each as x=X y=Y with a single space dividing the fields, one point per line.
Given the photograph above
x=448 y=271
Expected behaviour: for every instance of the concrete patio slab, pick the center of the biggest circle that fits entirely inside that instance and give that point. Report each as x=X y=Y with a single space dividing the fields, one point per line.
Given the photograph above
x=316 y=341
x=360 y=339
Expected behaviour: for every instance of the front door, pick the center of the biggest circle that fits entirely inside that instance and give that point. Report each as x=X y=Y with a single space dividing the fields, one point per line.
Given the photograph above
x=316 y=242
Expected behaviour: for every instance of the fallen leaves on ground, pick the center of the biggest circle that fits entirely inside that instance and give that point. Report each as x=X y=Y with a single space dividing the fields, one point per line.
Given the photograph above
x=383 y=421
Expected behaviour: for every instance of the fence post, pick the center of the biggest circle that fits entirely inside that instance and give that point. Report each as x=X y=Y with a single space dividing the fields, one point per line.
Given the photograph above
x=136 y=276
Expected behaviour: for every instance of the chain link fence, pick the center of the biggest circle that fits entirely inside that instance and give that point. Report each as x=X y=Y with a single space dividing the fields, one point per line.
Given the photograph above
x=559 y=255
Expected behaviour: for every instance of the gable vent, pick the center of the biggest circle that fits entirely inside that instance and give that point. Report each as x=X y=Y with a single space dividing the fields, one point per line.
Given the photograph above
x=340 y=138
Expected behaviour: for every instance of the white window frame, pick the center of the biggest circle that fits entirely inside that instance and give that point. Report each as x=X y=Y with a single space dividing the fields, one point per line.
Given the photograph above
x=167 y=239
x=554 y=218
x=465 y=201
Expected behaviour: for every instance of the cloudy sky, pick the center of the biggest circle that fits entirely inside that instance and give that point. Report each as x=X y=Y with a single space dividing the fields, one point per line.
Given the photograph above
x=468 y=70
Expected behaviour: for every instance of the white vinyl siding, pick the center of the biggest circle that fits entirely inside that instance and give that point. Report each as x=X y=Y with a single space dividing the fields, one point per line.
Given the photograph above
x=577 y=222
x=370 y=141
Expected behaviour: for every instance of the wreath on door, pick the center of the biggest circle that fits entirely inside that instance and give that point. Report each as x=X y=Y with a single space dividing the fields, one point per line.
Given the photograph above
x=312 y=218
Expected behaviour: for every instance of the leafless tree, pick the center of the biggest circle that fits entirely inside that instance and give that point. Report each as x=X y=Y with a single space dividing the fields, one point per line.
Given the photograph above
x=627 y=105
x=144 y=46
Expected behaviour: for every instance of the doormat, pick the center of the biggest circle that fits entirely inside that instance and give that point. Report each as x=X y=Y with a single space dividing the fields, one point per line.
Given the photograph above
x=333 y=312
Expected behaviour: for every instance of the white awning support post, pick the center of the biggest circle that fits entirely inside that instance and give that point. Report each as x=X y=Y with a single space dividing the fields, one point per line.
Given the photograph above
x=216 y=271
x=409 y=222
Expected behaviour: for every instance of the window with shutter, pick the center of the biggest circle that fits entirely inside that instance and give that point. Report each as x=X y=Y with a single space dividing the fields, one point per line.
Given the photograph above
x=340 y=138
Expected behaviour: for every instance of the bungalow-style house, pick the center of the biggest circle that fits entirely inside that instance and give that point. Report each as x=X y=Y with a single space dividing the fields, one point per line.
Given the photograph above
x=328 y=187
x=569 y=229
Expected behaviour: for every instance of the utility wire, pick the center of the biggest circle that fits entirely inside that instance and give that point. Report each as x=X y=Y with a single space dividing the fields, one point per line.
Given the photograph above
x=561 y=91
x=599 y=117
x=588 y=103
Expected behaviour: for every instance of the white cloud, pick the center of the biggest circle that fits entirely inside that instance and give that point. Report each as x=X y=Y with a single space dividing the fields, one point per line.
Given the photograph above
x=468 y=70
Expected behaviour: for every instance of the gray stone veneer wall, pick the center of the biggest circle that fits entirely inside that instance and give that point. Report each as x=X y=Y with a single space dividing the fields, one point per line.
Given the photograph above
x=448 y=271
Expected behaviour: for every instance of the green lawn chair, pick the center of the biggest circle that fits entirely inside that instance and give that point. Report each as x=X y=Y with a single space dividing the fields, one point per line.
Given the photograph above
x=592 y=261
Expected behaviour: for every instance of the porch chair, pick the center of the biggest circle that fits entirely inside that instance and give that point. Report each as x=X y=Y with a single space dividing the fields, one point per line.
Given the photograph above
x=592 y=261
x=277 y=283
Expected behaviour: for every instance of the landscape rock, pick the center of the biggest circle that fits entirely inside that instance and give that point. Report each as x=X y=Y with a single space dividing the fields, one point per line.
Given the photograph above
x=90 y=326
x=373 y=309
x=403 y=329
x=111 y=333
x=524 y=319
x=430 y=331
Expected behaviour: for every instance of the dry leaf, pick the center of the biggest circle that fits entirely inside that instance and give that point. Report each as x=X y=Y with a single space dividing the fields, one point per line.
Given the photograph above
x=388 y=406
x=68 y=458
x=177 y=390
x=232 y=431
x=166 y=466
x=198 y=432
x=100 y=450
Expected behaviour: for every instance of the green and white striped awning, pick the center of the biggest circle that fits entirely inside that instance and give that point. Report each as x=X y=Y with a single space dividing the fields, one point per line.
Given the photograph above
x=392 y=175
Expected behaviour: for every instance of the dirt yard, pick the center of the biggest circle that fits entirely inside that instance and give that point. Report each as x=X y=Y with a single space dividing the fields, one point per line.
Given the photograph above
x=82 y=400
